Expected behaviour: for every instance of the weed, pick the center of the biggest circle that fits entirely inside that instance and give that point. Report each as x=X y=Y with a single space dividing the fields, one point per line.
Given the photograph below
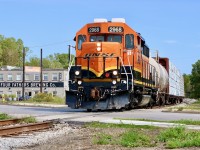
x=135 y=139
x=180 y=109
x=178 y=137
x=47 y=98
x=4 y=116
x=28 y=120
x=103 y=139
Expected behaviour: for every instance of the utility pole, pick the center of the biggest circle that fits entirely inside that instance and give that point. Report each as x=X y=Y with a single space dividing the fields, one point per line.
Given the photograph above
x=23 y=78
x=41 y=83
x=69 y=54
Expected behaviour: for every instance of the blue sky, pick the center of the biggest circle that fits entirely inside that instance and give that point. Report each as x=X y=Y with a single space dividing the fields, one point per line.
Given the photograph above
x=172 y=26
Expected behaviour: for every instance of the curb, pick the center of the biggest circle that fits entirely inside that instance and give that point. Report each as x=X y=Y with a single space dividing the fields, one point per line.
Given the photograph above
x=35 y=105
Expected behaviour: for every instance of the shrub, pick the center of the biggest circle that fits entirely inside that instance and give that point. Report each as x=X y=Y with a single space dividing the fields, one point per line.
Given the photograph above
x=48 y=98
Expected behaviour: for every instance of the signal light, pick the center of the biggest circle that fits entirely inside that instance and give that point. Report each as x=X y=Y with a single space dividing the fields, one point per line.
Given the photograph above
x=107 y=75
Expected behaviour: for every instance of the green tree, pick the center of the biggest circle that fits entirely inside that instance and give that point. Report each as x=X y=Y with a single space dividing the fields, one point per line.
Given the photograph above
x=187 y=84
x=52 y=61
x=63 y=59
x=48 y=62
x=11 y=51
x=195 y=80
x=33 y=61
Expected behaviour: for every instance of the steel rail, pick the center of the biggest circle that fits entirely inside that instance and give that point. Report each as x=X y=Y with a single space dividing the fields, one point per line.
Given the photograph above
x=9 y=121
x=6 y=131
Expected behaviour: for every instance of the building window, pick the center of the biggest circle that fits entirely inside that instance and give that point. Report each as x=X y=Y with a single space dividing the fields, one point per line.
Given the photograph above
x=54 y=93
x=1 y=77
x=129 y=41
x=27 y=76
x=18 y=77
x=10 y=77
x=55 y=76
x=37 y=77
x=45 y=76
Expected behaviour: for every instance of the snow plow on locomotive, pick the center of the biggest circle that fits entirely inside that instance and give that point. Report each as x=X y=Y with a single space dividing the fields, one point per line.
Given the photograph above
x=113 y=70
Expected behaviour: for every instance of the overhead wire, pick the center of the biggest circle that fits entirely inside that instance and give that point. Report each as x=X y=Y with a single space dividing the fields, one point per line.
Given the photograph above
x=50 y=44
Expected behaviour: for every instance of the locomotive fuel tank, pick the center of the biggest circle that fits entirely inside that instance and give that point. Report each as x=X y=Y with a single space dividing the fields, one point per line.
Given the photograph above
x=162 y=78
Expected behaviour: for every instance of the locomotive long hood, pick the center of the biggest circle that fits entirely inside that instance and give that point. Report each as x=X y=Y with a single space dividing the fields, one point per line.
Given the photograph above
x=100 y=54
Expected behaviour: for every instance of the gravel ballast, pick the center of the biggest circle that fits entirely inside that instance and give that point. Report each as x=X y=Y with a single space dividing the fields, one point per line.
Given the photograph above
x=36 y=138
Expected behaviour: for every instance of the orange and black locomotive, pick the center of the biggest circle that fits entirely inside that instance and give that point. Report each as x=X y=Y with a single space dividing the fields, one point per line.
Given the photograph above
x=113 y=69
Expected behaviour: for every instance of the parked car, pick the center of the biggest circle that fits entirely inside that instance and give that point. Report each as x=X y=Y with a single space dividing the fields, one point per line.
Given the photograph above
x=26 y=97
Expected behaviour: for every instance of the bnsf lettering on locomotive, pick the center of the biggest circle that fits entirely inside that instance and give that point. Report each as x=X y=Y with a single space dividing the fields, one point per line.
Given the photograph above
x=99 y=54
x=96 y=54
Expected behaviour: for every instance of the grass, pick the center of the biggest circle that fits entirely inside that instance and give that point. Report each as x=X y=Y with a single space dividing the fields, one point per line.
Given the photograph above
x=29 y=119
x=121 y=125
x=4 y=116
x=178 y=137
x=132 y=136
x=103 y=139
x=194 y=106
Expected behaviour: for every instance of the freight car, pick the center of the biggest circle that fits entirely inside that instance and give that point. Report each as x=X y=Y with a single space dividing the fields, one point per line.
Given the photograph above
x=113 y=70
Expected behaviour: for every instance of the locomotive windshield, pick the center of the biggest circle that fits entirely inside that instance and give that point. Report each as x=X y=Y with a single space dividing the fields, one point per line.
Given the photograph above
x=109 y=38
x=114 y=38
x=97 y=38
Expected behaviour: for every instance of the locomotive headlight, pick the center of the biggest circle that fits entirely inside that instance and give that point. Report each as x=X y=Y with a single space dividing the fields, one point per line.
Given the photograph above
x=115 y=72
x=98 y=48
x=98 y=44
x=77 y=73
x=79 y=82
x=114 y=82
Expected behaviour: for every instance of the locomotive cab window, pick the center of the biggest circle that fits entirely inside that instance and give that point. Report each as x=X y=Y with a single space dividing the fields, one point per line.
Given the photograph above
x=114 y=38
x=129 y=41
x=99 y=38
x=146 y=51
x=81 y=39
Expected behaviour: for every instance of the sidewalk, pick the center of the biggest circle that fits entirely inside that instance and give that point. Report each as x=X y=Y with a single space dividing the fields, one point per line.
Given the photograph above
x=157 y=124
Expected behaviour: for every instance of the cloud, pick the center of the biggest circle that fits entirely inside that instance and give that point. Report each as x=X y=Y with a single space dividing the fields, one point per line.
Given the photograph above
x=170 y=41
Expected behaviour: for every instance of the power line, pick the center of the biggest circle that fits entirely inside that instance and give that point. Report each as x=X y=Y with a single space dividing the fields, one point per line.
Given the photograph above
x=50 y=44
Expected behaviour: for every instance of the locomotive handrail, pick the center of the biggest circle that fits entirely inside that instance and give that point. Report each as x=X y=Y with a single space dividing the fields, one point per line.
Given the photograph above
x=125 y=72
x=131 y=73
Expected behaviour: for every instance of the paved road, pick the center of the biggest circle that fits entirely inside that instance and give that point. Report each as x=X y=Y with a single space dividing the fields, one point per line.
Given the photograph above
x=43 y=113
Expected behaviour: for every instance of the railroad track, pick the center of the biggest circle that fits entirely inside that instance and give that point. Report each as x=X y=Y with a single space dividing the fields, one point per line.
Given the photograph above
x=9 y=121
x=21 y=128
